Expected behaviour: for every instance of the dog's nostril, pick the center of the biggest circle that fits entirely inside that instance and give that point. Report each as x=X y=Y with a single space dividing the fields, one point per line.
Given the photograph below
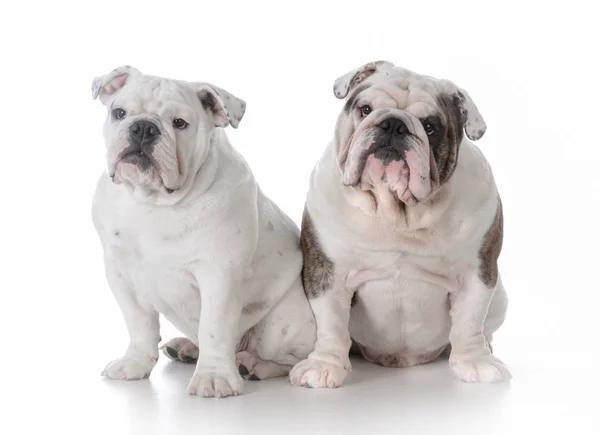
x=385 y=125
x=393 y=126
x=143 y=130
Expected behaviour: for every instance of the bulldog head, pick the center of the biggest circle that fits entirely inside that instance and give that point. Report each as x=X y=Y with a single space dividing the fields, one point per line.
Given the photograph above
x=158 y=130
x=399 y=133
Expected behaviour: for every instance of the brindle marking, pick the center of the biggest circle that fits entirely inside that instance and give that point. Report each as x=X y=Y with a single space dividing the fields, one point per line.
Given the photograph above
x=445 y=140
x=317 y=270
x=490 y=249
x=351 y=101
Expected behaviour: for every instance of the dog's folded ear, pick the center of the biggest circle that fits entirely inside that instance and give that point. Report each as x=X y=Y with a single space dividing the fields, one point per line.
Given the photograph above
x=105 y=87
x=344 y=84
x=475 y=126
x=472 y=121
x=225 y=108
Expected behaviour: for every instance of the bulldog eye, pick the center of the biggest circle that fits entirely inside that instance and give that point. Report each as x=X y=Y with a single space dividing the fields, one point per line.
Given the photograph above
x=429 y=128
x=118 y=113
x=365 y=110
x=180 y=123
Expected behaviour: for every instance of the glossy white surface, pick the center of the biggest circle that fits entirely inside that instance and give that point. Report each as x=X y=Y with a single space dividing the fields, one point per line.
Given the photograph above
x=550 y=392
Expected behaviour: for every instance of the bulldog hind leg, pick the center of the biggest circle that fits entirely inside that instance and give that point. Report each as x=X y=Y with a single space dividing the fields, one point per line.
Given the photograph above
x=496 y=314
x=255 y=369
x=283 y=338
x=181 y=349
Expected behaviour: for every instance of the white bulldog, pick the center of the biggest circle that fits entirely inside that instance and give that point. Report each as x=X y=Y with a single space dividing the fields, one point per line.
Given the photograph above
x=187 y=232
x=402 y=231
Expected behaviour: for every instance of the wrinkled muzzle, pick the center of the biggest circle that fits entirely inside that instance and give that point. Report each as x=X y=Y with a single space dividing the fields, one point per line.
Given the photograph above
x=142 y=155
x=390 y=151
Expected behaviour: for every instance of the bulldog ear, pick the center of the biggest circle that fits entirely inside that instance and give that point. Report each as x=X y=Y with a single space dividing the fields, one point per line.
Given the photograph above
x=225 y=107
x=344 y=84
x=473 y=122
x=105 y=87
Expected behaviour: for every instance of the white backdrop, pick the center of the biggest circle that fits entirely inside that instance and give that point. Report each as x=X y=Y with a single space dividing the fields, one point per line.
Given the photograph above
x=531 y=67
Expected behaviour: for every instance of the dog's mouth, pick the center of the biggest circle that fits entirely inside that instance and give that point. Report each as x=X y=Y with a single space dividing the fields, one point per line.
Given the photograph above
x=138 y=158
x=385 y=154
x=387 y=169
x=144 y=163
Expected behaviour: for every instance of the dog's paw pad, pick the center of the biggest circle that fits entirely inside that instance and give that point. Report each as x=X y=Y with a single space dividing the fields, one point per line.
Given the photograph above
x=171 y=353
x=243 y=370
x=187 y=359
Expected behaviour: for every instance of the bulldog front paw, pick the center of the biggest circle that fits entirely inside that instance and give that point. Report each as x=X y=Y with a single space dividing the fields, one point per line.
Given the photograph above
x=315 y=373
x=128 y=368
x=210 y=384
x=485 y=368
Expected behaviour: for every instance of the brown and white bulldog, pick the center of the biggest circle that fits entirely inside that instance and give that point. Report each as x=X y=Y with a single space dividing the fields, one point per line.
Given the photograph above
x=402 y=231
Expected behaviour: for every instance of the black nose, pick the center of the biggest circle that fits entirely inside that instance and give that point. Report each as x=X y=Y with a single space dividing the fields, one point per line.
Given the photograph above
x=393 y=126
x=143 y=132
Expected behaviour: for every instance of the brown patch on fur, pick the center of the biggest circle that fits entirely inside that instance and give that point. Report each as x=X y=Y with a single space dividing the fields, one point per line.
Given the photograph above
x=445 y=142
x=490 y=249
x=351 y=101
x=317 y=270
x=253 y=307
